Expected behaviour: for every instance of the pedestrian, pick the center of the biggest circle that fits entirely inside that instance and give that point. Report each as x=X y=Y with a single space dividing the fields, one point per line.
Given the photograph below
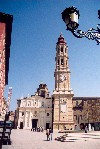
x=41 y=129
x=48 y=133
x=51 y=131
x=86 y=129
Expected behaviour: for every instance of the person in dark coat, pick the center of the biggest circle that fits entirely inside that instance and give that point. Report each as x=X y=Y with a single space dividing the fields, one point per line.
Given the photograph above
x=51 y=131
x=48 y=134
x=86 y=129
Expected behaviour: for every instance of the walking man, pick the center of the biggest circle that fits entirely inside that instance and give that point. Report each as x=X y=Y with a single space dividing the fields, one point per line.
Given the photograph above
x=48 y=133
x=51 y=131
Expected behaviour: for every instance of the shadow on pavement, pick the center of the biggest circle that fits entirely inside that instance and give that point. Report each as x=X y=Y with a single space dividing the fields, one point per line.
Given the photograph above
x=47 y=140
x=69 y=141
x=95 y=138
x=85 y=137
x=73 y=139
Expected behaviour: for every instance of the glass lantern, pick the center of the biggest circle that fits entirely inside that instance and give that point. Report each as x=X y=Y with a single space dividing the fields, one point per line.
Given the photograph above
x=70 y=16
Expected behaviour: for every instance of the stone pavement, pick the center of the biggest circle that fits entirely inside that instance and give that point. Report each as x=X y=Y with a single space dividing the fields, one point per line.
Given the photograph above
x=26 y=139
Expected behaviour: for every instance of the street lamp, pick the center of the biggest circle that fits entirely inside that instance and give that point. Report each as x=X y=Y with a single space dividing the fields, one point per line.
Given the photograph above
x=70 y=16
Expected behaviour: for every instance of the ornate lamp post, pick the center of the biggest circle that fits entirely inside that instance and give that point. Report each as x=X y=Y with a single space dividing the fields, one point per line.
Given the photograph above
x=70 y=16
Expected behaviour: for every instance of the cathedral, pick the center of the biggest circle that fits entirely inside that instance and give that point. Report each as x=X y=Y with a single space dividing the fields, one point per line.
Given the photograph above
x=61 y=111
x=35 y=111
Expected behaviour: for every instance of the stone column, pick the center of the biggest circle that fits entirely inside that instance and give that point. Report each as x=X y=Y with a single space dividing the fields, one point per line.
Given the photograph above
x=30 y=120
x=19 y=120
x=26 y=116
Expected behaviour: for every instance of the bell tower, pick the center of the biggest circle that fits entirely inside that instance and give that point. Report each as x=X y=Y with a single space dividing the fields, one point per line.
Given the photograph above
x=63 y=108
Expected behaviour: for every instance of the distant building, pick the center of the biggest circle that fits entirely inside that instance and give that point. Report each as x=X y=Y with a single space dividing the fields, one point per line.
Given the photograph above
x=12 y=116
x=5 y=41
x=35 y=111
x=86 y=111
x=4 y=107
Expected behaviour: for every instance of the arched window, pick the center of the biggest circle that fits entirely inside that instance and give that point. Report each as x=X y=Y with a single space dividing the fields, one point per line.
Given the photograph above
x=58 y=50
x=76 y=103
x=29 y=103
x=66 y=62
x=22 y=113
x=58 y=62
x=61 y=49
x=42 y=104
x=62 y=61
x=65 y=50
x=48 y=114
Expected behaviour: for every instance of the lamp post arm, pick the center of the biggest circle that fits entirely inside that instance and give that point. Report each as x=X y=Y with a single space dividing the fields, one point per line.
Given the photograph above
x=91 y=34
x=77 y=33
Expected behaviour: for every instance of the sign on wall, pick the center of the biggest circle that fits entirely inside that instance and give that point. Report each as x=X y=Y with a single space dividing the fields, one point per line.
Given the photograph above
x=63 y=107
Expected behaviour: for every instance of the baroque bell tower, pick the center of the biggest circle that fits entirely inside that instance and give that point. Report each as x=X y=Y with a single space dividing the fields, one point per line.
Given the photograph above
x=63 y=107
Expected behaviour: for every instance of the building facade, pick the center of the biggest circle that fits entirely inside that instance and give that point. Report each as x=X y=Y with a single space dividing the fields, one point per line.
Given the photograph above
x=5 y=41
x=86 y=112
x=63 y=108
x=4 y=107
x=35 y=111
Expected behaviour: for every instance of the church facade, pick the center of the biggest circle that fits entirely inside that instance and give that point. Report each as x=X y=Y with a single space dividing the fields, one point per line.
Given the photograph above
x=61 y=111
x=35 y=111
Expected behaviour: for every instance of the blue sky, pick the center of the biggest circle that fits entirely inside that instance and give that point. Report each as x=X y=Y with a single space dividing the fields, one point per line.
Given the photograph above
x=36 y=27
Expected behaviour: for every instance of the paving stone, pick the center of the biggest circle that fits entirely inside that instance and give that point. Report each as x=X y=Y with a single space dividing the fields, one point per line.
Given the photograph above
x=26 y=139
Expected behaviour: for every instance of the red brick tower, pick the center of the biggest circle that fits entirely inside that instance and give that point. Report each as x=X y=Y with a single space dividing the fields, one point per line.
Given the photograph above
x=5 y=41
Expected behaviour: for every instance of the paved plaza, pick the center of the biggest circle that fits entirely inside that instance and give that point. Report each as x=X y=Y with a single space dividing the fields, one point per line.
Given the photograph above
x=26 y=139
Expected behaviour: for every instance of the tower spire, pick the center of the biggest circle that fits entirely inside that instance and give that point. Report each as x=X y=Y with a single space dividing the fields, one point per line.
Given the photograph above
x=62 y=67
x=61 y=34
x=61 y=39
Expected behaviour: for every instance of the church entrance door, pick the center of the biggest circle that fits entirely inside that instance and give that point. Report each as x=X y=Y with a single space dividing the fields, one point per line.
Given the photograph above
x=47 y=125
x=34 y=123
x=21 y=125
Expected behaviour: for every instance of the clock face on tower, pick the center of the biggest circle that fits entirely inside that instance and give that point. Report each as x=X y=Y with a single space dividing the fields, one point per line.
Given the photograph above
x=62 y=77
